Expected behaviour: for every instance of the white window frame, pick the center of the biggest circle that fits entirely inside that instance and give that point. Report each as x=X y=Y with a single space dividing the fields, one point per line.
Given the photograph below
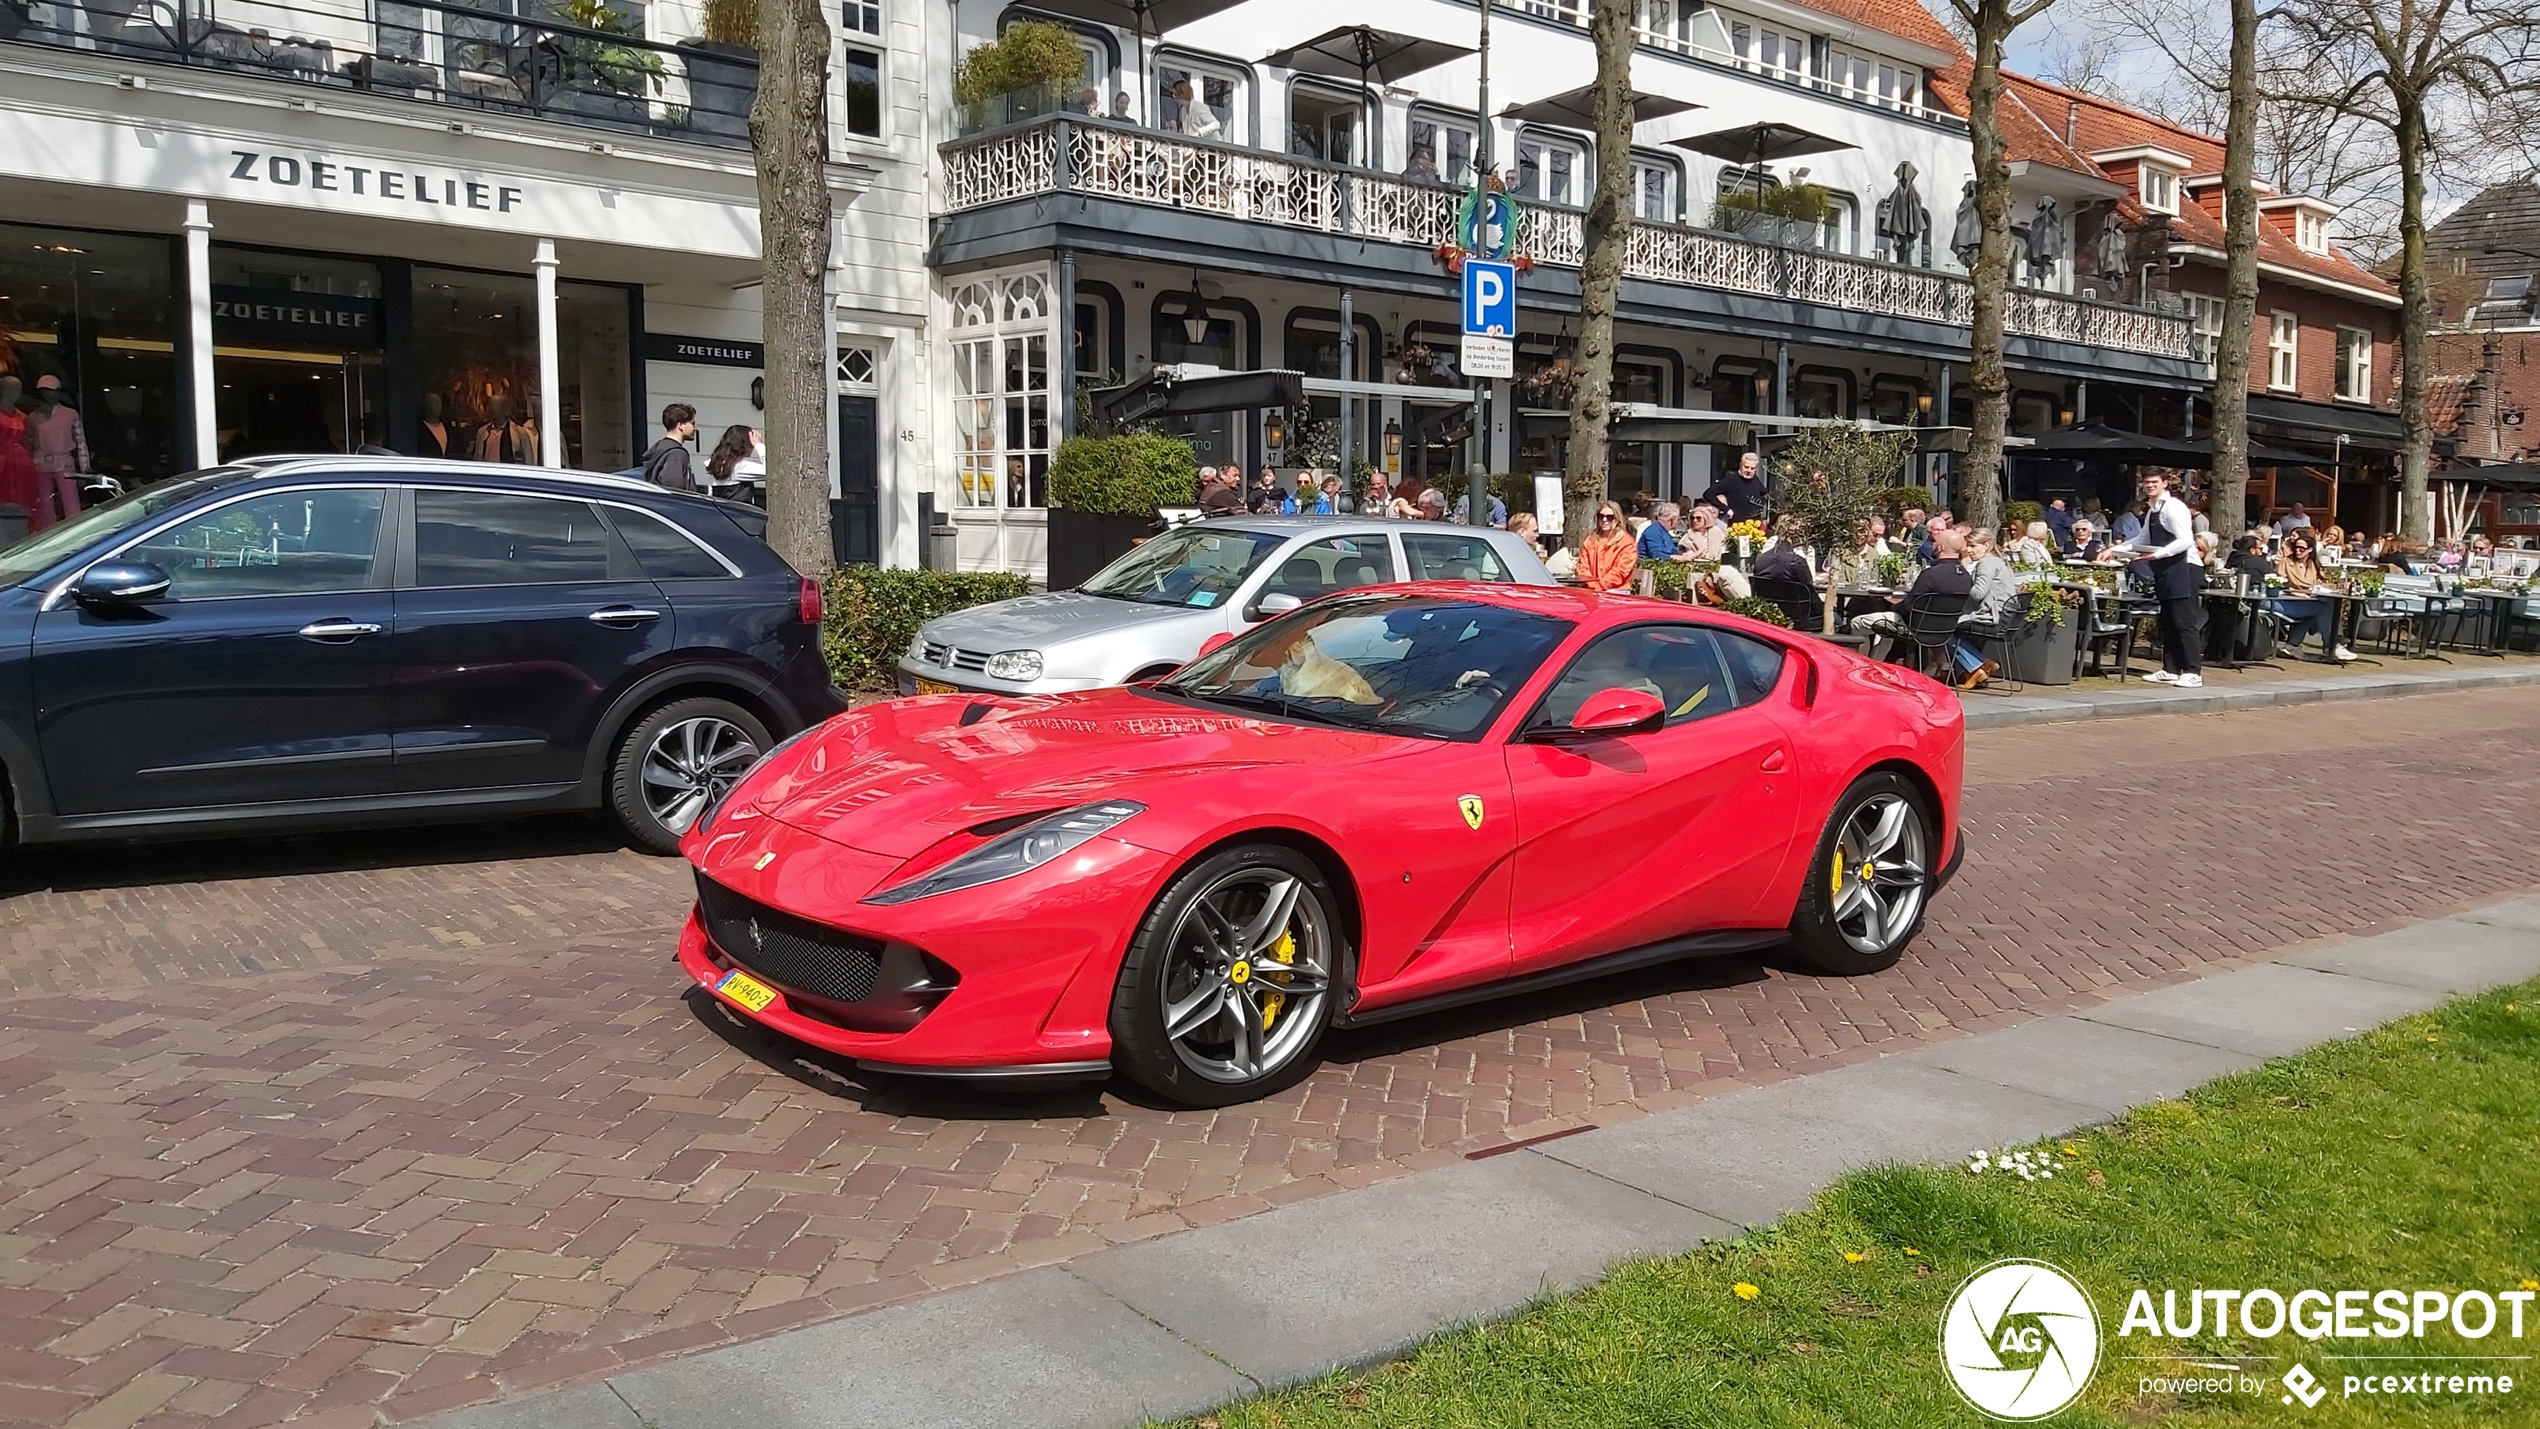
x=861 y=17
x=2354 y=365
x=989 y=311
x=2284 y=351
x=1768 y=50
x=1541 y=146
x=1841 y=230
x=1235 y=125
x=1335 y=96
x=1441 y=123
x=1671 y=196
x=858 y=43
x=2310 y=230
x=2156 y=185
x=2204 y=325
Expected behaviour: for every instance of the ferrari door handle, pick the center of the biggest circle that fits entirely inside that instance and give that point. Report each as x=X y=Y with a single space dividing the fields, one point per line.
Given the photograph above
x=622 y=615
x=1776 y=762
x=337 y=632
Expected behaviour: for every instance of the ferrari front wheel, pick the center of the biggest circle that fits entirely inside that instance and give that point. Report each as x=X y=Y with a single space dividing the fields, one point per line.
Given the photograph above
x=1227 y=987
x=1870 y=881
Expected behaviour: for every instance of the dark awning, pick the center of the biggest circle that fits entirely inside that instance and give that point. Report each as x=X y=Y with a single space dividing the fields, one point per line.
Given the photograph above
x=1169 y=392
x=1717 y=431
x=1364 y=53
x=1575 y=109
x=1761 y=144
x=2493 y=476
x=1147 y=17
x=2290 y=418
x=2097 y=441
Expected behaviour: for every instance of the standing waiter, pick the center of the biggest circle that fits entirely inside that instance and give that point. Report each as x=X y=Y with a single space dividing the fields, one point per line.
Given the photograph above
x=2168 y=542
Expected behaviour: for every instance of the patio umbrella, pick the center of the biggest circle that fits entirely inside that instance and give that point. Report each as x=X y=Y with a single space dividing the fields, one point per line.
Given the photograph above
x=2096 y=440
x=1575 y=108
x=1368 y=53
x=1761 y=143
x=1144 y=16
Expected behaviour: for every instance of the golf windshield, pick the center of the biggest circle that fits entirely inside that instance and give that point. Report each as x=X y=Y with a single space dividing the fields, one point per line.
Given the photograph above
x=1194 y=566
x=1418 y=666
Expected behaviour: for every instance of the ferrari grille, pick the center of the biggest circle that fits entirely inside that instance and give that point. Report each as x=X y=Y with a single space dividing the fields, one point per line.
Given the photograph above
x=791 y=952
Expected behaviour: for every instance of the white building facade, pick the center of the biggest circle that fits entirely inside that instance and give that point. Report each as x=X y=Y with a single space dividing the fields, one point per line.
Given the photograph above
x=492 y=231
x=1199 y=196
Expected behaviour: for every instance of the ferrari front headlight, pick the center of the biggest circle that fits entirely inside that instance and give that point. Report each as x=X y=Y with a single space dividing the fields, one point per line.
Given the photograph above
x=1018 y=851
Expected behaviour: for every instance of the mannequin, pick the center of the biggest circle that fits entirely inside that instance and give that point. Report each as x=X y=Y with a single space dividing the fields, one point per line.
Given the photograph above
x=2045 y=241
x=1967 y=234
x=2112 y=247
x=435 y=440
x=502 y=439
x=17 y=459
x=61 y=455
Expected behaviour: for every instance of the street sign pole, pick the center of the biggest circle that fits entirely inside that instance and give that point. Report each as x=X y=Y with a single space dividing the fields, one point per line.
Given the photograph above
x=1477 y=450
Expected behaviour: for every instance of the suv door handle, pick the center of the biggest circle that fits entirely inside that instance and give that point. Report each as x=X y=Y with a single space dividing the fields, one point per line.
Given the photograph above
x=337 y=632
x=623 y=615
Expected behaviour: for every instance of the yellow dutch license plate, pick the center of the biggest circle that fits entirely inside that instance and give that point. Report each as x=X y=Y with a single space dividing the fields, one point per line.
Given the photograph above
x=935 y=687
x=746 y=990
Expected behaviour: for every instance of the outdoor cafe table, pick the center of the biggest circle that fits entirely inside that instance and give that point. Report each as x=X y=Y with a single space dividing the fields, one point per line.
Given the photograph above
x=2500 y=611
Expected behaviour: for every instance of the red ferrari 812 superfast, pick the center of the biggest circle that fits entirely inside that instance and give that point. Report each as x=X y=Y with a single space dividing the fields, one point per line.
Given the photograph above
x=1386 y=802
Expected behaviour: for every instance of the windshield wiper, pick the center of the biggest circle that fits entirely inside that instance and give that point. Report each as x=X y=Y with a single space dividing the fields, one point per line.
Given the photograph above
x=1282 y=705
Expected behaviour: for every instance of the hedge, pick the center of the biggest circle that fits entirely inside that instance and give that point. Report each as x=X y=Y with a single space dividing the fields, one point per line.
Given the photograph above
x=1132 y=475
x=874 y=613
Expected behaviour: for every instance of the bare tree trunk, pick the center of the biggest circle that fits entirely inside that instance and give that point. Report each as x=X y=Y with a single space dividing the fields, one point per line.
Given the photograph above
x=1979 y=498
x=2416 y=444
x=1609 y=230
x=2240 y=279
x=789 y=130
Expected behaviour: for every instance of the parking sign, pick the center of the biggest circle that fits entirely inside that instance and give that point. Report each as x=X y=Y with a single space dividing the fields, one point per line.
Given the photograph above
x=1490 y=299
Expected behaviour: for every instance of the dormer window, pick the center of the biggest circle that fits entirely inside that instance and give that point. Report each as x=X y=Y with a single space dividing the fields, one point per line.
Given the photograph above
x=2156 y=187
x=2310 y=230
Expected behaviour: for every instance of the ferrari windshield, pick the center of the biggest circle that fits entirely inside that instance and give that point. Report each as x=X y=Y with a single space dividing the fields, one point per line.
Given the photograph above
x=1408 y=665
x=1193 y=566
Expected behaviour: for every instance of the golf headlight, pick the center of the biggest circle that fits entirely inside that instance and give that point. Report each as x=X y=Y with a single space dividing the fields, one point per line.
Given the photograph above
x=1016 y=665
x=705 y=821
x=1019 y=851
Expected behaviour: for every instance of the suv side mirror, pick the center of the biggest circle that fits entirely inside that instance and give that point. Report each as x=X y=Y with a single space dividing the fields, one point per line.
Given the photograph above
x=116 y=584
x=1278 y=602
x=1609 y=714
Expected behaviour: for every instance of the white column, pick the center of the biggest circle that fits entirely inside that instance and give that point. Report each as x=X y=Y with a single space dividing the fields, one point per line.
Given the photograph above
x=198 y=329
x=550 y=382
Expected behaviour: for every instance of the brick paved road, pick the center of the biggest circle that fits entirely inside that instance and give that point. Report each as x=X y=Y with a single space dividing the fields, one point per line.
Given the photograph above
x=352 y=1128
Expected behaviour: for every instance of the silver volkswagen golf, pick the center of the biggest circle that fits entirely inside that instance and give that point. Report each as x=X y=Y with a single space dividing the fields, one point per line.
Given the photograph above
x=1149 y=612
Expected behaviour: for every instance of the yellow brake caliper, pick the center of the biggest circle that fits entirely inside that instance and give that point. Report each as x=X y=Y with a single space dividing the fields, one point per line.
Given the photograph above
x=1285 y=951
x=1838 y=872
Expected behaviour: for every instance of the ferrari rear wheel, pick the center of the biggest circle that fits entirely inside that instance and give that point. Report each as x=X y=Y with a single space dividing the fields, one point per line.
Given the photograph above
x=1872 y=877
x=1227 y=987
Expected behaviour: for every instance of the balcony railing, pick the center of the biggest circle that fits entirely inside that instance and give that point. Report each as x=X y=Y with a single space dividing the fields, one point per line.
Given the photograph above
x=1112 y=160
x=498 y=57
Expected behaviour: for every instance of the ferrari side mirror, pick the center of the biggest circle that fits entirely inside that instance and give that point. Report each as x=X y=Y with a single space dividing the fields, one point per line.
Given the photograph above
x=1610 y=714
x=1213 y=644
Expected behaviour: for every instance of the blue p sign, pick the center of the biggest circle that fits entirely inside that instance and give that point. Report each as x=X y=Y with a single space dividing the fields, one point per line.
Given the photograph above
x=1490 y=299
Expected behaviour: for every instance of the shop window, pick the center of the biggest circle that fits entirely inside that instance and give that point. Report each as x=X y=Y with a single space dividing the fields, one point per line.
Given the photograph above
x=99 y=312
x=476 y=369
x=1002 y=385
x=1441 y=150
x=297 y=353
x=485 y=538
x=1199 y=101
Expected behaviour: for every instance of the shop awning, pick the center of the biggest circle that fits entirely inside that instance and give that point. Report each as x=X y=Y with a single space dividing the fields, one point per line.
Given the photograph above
x=2494 y=476
x=2291 y=418
x=1693 y=427
x=1173 y=391
x=2097 y=441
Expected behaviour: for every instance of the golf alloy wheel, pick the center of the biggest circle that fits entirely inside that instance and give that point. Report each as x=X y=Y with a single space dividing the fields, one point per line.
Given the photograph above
x=1880 y=875
x=1248 y=968
x=691 y=763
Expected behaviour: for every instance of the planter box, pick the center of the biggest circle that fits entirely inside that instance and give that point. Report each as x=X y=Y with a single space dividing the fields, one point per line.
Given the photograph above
x=1083 y=542
x=2043 y=654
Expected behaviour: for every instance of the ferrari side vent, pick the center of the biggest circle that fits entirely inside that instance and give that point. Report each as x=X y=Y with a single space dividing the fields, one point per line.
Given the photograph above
x=791 y=952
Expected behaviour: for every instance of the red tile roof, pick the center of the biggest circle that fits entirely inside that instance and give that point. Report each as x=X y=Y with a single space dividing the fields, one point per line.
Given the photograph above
x=2036 y=116
x=1905 y=19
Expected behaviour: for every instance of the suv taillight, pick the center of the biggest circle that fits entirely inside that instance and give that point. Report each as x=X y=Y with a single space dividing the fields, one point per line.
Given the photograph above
x=807 y=602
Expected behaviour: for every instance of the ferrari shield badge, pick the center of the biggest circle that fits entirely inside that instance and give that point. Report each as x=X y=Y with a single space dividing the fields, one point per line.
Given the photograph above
x=1471 y=804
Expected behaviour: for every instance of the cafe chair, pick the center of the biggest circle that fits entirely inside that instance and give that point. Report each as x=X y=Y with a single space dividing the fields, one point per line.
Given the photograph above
x=1798 y=600
x=2401 y=616
x=1989 y=635
x=2100 y=635
x=1931 y=625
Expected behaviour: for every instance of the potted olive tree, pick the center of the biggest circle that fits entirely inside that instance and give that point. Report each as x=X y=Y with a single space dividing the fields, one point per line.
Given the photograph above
x=1030 y=70
x=722 y=68
x=1104 y=496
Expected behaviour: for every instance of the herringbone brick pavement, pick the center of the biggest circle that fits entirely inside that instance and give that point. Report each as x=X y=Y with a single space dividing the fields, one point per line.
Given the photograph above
x=331 y=1131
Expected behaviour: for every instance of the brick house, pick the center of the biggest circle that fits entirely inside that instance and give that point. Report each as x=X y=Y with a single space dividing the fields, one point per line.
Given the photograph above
x=2324 y=353
x=2483 y=263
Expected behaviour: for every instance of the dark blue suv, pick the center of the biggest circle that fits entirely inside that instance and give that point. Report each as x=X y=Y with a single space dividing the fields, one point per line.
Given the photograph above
x=318 y=641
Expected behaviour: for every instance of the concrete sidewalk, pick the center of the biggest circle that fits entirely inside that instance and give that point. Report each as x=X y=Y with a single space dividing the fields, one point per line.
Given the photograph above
x=1174 y=1326
x=2246 y=689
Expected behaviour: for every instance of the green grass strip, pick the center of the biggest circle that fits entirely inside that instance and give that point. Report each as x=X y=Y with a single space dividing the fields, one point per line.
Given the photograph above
x=2406 y=1158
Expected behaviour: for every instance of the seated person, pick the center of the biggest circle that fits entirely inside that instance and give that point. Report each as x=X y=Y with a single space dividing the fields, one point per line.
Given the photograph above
x=1783 y=558
x=1944 y=579
x=1994 y=588
x=2088 y=544
x=2035 y=547
x=2248 y=557
x=2300 y=567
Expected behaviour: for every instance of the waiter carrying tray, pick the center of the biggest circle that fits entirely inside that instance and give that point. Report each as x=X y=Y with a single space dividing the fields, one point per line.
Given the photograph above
x=2168 y=542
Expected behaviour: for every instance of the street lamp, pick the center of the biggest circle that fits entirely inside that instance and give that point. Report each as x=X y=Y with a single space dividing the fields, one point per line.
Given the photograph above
x=1274 y=432
x=1393 y=439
